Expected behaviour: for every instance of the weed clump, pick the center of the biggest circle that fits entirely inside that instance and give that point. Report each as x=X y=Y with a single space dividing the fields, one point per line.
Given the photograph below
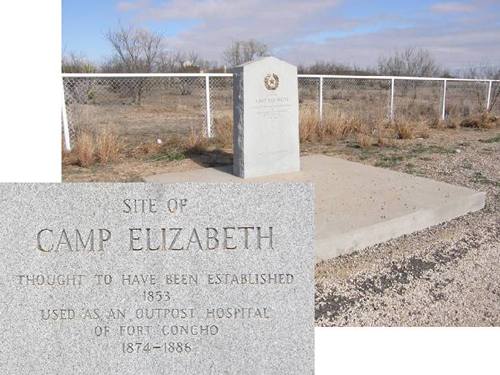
x=223 y=131
x=84 y=149
x=108 y=147
x=195 y=142
x=483 y=121
x=364 y=141
x=404 y=130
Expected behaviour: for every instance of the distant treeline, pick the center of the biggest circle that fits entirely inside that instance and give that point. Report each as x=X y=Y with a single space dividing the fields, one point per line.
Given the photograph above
x=141 y=51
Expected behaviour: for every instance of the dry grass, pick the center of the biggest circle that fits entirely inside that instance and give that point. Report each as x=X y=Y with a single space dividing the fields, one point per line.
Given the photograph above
x=334 y=126
x=422 y=131
x=223 y=131
x=483 y=121
x=404 y=129
x=90 y=148
x=340 y=125
x=84 y=150
x=308 y=126
x=146 y=149
x=337 y=126
x=363 y=140
x=68 y=158
x=437 y=123
x=108 y=147
x=385 y=141
x=195 y=142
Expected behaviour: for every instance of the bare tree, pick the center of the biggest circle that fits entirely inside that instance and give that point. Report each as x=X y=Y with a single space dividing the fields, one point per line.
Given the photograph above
x=414 y=62
x=486 y=72
x=135 y=51
x=482 y=72
x=73 y=63
x=330 y=67
x=242 y=51
x=180 y=62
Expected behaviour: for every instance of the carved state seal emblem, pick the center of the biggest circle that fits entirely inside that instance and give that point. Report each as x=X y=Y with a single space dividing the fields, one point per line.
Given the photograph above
x=272 y=81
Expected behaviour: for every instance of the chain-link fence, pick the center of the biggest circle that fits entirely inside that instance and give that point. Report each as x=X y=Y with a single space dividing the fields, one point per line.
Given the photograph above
x=418 y=100
x=464 y=99
x=138 y=108
x=221 y=99
x=309 y=94
x=152 y=107
x=494 y=95
x=366 y=99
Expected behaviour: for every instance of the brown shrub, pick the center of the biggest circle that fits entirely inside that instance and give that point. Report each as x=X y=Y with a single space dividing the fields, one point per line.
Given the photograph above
x=437 y=123
x=363 y=140
x=484 y=121
x=108 y=146
x=384 y=133
x=450 y=124
x=403 y=129
x=84 y=149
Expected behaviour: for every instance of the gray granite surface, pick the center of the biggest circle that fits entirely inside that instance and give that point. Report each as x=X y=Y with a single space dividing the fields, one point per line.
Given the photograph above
x=156 y=279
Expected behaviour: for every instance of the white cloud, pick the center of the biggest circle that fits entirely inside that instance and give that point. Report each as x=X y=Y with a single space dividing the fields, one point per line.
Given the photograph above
x=128 y=6
x=291 y=28
x=453 y=7
x=455 y=49
x=237 y=9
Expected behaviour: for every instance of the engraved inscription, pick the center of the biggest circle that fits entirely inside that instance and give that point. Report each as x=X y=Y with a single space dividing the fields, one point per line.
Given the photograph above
x=155 y=279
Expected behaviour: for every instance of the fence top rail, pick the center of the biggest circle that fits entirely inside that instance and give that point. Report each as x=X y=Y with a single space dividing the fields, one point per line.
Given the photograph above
x=152 y=75
x=145 y=75
x=402 y=78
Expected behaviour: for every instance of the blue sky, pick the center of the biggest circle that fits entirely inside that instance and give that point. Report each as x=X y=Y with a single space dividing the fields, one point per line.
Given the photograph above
x=458 y=33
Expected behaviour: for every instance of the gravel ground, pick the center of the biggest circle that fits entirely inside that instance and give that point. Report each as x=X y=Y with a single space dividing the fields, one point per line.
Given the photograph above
x=447 y=275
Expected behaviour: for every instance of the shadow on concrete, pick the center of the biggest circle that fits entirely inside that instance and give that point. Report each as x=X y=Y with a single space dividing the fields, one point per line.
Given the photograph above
x=218 y=159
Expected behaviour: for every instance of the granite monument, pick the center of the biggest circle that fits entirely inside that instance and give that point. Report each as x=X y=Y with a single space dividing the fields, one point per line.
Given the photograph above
x=266 y=118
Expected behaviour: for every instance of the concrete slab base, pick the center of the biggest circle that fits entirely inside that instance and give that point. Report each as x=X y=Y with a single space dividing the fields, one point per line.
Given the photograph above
x=358 y=205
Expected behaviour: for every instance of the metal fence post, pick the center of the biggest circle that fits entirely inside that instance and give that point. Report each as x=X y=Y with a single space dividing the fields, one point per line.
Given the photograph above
x=392 y=99
x=321 y=98
x=488 y=101
x=443 y=114
x=208 y=106
x=67 y=140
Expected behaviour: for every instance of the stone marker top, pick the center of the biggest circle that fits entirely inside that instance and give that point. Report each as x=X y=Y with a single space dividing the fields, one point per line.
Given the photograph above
x=268 y=59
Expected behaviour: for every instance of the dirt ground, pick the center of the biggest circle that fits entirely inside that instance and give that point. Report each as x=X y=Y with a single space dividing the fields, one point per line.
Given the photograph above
x=448 y=275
